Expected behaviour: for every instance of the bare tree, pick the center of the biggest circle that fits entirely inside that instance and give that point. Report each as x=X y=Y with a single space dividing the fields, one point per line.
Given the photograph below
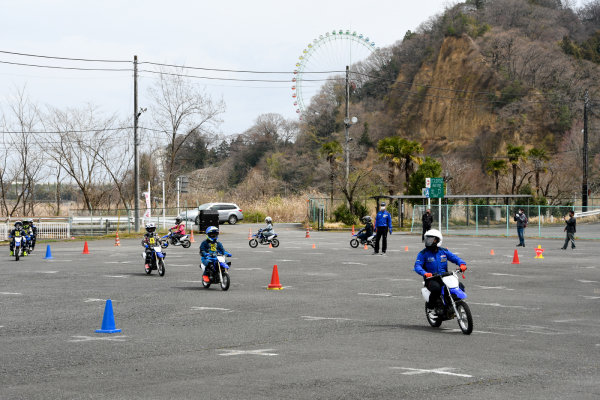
x=76 y=146
x=179 y=109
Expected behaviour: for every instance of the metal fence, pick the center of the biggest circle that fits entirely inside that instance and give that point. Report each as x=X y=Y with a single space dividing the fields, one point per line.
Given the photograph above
x=498 y=220
x=45 y=230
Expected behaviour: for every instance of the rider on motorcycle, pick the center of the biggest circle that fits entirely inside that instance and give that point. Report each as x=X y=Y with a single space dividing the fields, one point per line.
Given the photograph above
x=150 y=240
x=17 y=231
x=211 y=246
x=267 y=232
x=178 y=231
x=364 y=233
x=29 y=231
x=433 y=260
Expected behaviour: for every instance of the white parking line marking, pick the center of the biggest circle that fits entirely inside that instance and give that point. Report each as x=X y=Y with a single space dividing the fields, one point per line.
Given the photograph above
x=309 y=318
x=584 y=281
x=262 y=251
x=209 y=308
x=261 y=352
x=288 y=260
x=518 y=276
x=11 y=293
x=386 y=295
x=46 y=272
x=493 y=287
x=115 y=276
x=321 y=274
x=440 y=371
x=93 y=300
x=591 y=297
x=456 y=330
x=503 y=306
x=248 y=269
x=97 y=338
x=402 y=279
x=352 y=263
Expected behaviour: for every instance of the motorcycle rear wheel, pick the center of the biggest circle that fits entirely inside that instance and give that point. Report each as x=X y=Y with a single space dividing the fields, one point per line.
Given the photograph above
x=354 y=243
x=225 y=281
x=253 y=243
x=464 y=317
x=433 y=322
x=186 y=244
x=161 y=268
x=205 y=284
x=275 y=243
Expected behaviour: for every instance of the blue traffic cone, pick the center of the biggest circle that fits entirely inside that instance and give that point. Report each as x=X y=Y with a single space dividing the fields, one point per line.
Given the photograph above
x=48 y=253
x=108 y=322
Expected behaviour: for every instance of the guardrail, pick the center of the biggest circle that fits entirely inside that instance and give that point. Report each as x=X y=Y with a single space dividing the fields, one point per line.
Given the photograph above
x=46 y=230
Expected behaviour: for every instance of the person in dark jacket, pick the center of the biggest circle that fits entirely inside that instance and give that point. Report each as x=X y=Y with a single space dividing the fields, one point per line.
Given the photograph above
x=364 y=233
x=427 y=220
x=383 y=225
x=570 y=229
x=521 y=220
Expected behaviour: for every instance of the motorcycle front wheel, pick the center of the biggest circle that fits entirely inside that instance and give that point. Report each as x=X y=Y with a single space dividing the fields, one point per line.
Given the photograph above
x=17 y=254
x=253 y=243
x=354 y=243
x=464 y=317
x=434 y=322
x=275 y=242
x=186 y=244
x=225 y=281
x=161 y=267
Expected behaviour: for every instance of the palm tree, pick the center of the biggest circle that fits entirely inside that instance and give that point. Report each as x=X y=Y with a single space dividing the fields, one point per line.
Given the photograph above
x=409 y=153
x=496 y=167
x=390 y=149
x=539 y=158
x=331 y=150
x=515 y=155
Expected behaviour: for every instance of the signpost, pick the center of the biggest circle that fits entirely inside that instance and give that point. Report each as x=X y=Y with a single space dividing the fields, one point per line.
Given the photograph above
x=435 y=189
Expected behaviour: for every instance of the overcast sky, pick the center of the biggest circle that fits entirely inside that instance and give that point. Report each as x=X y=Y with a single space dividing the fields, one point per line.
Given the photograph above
x=265 y=35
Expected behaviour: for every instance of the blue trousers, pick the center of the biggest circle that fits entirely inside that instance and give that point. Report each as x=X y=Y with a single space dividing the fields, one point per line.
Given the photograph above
x=521 y=233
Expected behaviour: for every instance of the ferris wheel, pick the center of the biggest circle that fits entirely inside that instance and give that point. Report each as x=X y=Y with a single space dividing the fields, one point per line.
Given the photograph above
x=326 y=57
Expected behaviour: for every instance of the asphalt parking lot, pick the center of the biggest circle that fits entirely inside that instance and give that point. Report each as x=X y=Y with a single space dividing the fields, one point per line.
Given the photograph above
x=346 y=325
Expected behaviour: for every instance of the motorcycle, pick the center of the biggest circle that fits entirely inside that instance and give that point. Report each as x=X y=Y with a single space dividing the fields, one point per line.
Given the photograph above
x=183 y=241
x=453 y=303
x=157 y=257
x=354 y=242
x=18 y=245
x=258 y=238
x=217 y=276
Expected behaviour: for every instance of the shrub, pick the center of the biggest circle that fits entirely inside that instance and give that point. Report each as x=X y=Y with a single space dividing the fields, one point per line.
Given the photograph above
x=343 y=214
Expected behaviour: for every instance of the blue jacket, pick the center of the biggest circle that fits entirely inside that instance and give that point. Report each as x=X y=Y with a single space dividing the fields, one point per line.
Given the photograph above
x=435 y=262
x=207 y=247
x=383 y=218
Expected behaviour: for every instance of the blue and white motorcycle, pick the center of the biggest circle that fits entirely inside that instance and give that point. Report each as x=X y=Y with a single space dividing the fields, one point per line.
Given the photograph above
x=453 y=303
x=260 y=238
x=157 y=257
x=218 y=270
x=19 y=242
x=183 y=241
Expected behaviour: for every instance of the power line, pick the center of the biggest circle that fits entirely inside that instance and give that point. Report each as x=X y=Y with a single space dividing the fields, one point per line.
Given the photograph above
x=63 y=58
x=237 y=70
x=233 y=79
x=69 y=68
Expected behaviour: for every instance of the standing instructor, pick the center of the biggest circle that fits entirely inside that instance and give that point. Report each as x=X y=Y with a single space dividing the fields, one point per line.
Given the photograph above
x=383 y=224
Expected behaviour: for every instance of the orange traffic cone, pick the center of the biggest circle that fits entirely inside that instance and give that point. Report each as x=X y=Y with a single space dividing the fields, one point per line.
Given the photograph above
x=85 y=248
x=249 y=233
x=405 y=248
x=516 y=258
x=307 y=232
x=366 y=247
x=117 y=241
x=270 y=246
x=492 y=252
x=314 y=246
x=352 y=230
x=275 y=285
x=192 y=237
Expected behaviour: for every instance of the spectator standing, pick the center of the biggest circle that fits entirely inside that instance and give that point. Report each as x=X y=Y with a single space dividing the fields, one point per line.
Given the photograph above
x=570 y=229
x=427 y=220
x=383 y=224
x=521 y=220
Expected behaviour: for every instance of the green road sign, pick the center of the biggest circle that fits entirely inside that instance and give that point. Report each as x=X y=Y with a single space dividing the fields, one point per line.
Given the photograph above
x=436 y=191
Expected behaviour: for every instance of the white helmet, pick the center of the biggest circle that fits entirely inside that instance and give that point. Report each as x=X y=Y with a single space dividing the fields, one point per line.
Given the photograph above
x=268 y=220
x=434 y=233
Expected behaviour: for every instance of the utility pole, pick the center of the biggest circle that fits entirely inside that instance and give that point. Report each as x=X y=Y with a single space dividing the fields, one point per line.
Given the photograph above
x=584 y=186
x=136 y=164
x=347 y=126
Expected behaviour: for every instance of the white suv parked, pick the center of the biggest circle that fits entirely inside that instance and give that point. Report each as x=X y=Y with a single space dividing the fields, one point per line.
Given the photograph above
x=228 y=212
